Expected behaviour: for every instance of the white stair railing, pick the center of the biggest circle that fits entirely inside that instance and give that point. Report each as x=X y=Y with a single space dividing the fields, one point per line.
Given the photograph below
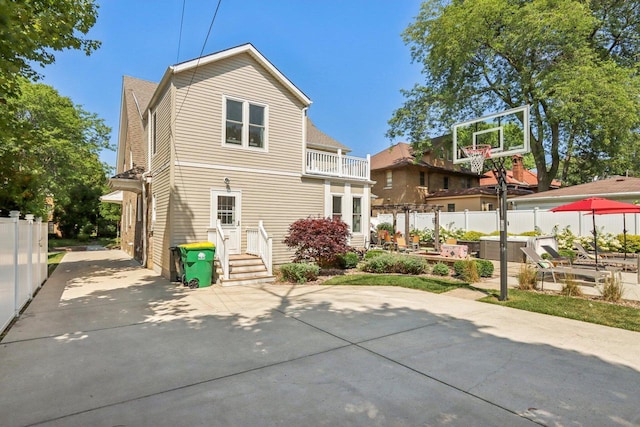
x=260 y=244
x=217 y=237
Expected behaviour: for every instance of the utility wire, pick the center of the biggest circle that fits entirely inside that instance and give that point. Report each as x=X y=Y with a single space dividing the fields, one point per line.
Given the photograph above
x=193 y=75
x=184 y=2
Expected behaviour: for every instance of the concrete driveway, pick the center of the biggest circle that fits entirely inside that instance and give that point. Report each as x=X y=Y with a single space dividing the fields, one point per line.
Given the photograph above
x=107 y=343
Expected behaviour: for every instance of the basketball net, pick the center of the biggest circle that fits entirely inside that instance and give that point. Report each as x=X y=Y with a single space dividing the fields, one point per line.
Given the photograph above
x=476 y=155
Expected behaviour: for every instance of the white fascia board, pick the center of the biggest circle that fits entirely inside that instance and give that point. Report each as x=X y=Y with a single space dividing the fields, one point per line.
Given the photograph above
x=251 y=50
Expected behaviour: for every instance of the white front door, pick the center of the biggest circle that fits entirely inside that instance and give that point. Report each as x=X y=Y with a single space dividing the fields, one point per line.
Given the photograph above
x=226 y=208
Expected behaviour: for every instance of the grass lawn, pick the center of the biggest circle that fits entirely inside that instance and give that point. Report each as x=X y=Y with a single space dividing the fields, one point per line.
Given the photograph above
x=424 y=283
x=107 y=242
x=586 y=310
x=53 y=260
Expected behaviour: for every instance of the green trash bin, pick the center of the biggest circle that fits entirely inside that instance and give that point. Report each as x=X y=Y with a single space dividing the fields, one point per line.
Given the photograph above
x=197 y=259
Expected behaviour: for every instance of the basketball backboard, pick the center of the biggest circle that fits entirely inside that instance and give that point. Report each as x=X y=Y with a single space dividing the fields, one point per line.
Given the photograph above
x=507 y=133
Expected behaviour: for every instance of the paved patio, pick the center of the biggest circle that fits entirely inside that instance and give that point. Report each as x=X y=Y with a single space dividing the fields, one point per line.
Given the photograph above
x=107 y=343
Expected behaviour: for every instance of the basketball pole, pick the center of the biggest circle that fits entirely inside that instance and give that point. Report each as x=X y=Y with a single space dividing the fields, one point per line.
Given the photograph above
x=500 y=174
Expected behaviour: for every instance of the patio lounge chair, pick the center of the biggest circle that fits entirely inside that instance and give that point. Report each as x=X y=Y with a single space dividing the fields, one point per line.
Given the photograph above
x=582 y=256
x=555 y=256
x=544 y=266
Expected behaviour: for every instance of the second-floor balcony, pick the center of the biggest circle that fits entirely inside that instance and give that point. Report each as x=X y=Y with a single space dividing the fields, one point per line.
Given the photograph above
x=337 y=164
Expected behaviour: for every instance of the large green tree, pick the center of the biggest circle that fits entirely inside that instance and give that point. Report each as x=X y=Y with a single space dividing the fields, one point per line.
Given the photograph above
x=574 y=62
x=53 y=151
x=30 y=32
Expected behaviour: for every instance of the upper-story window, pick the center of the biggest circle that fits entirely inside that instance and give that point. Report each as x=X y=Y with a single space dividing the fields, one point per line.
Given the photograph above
x=389 y=175
x=445 y=182
x=245 y=124
x=422 y=180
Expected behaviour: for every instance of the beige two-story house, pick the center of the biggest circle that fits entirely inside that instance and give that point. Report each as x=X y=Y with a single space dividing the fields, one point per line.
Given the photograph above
x=222 y=150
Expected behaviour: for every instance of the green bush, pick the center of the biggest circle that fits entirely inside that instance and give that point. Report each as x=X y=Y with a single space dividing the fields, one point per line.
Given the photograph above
x=348 y=260
x=485 y=267
x=299 y=272
x=374 y=253
x=393 y=263
x=633 y=242
x=441 y=269
x=385 y=226
x=530 y=233
x=472 y=236
x=467 y=269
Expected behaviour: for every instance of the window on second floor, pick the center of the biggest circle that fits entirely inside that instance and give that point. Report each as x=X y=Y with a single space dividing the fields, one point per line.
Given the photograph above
x=445 y=183
x=468 y=182
x=245 y=124
x=422 y=179
x=389 y=181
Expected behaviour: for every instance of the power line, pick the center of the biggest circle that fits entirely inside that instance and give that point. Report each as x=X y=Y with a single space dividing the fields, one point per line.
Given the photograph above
x=193 y=75
x=184 y=2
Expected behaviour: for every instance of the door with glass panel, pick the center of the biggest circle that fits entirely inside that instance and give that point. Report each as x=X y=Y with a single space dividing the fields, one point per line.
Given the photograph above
x=226 y=208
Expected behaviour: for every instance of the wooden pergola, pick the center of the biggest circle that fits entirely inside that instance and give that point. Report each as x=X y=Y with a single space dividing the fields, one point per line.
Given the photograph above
x=407 y=208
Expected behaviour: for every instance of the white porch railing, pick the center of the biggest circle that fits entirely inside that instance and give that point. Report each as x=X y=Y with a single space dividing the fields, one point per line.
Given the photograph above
x=260 y=244
x=218 y=238
x=323 y=163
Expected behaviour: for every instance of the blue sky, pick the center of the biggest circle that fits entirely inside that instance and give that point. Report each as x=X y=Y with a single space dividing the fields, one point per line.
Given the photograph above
x=347 y=56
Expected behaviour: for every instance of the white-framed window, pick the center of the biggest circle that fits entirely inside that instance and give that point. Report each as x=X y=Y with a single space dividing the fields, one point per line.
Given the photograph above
x=154 y=133
x=153 y=207
x=356 y=225
x=245 y=124
x=336 y=209
x=129 y=214
x=389 y=181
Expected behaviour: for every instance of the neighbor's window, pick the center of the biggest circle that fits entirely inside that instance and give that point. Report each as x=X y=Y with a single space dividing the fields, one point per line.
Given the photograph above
x=389 y=179
x=451 y=207
x=245 y=124
x=445 y=183
x=421 y=179
x=357 y=215
x=336 y=212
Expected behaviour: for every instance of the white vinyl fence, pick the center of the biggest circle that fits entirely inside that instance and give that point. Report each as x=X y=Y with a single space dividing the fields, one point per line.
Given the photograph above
x=519 y=221
x=23 y=263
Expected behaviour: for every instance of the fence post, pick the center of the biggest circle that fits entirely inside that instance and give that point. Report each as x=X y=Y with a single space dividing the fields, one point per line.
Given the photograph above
x=466 y=220
x=29 y=218
x=535 y=218
x=15 y=216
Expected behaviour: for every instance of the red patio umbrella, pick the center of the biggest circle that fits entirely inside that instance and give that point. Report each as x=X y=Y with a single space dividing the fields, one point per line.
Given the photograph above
x=597 y=206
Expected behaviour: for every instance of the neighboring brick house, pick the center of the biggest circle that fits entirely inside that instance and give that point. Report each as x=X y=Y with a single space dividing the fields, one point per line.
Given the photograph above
x=401 y=179
x=517 y=178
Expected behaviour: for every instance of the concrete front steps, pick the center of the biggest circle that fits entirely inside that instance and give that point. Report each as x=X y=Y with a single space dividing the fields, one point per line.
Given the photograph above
x=245 y=270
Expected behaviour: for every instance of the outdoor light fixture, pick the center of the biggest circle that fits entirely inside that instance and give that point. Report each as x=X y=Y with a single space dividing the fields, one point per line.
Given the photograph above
x=227 y=180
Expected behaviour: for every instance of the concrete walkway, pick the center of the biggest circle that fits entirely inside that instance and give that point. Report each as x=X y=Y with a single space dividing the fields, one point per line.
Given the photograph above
x=108 y=343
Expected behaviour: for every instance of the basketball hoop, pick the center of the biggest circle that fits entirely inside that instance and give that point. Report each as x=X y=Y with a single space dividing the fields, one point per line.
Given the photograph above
x=477 y=154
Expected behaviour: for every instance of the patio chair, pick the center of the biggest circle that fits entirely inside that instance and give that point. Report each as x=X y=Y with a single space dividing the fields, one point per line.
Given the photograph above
x=401 y=244
x=545 y=266
x=555 y=256
x=582 y=256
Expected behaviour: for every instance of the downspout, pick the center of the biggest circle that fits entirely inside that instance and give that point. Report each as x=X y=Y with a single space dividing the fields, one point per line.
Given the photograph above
x=145 y=174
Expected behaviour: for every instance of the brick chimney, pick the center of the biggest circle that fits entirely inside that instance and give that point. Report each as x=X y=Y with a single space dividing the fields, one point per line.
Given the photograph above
x=518 y=168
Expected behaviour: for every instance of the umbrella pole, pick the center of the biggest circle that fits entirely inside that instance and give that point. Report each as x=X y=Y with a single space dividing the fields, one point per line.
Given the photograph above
x=595 y=235
x=624 y=231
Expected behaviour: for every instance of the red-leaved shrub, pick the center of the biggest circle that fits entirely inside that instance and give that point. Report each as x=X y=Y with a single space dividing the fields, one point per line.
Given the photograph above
x=318 y=239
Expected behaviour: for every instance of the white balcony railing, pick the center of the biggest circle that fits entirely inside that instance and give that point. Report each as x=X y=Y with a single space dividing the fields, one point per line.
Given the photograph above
x=337 y=164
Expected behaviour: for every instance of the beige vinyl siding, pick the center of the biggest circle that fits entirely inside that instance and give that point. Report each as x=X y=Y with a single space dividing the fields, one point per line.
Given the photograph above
x=200 y=124
x=163 y=130
x=276 y=200
x=162 y=227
